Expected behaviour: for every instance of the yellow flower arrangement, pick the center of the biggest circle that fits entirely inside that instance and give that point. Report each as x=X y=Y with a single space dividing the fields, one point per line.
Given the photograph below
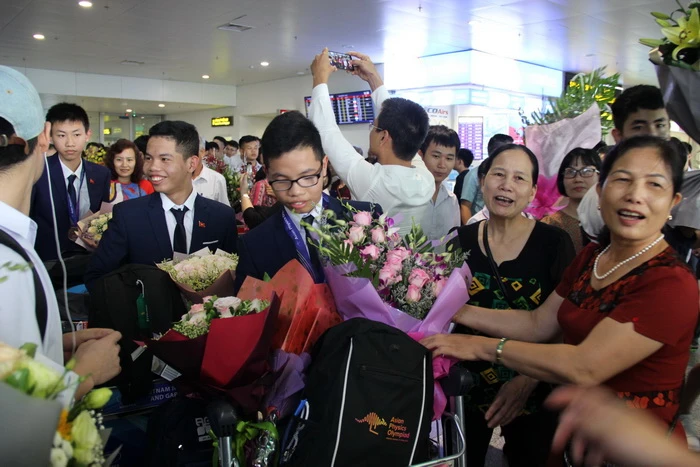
x=681 y=43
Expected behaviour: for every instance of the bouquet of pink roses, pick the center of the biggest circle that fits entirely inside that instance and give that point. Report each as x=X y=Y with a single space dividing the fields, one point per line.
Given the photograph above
x=405 y=283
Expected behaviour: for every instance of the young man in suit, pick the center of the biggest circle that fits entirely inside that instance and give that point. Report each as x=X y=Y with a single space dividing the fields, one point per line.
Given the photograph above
x=295 y=165
x=149 y=229
x=75 y=185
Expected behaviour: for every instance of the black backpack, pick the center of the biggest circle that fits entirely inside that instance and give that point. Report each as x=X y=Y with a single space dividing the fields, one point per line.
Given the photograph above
x=113 y=305
x=370 y=395
x=178 y=435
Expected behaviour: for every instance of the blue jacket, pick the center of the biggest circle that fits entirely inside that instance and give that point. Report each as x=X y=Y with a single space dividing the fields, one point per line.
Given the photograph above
x=268 y=247
x=97 y=179
x=138 y=234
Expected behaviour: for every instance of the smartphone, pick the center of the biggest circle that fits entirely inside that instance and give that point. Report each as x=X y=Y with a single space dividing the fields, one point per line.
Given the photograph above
x=341 y=61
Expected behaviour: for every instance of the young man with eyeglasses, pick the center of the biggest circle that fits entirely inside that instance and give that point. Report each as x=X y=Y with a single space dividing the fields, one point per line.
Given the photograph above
x=295 y=166
x=399 y=182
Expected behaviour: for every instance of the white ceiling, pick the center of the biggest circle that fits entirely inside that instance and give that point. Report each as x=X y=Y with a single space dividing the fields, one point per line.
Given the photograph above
x=179 y=40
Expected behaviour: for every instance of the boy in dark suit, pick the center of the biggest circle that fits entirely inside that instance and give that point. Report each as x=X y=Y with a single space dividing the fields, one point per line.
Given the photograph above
x=75 y=185
x=149 y=229
x=295 y=166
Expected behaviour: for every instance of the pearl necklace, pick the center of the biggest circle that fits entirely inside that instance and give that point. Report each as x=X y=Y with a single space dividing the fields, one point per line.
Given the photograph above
x=621 y=263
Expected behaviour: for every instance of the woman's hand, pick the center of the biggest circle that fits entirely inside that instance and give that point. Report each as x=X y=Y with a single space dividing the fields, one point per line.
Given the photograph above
x=269 y=191
x=459 y=346
x=510 y=401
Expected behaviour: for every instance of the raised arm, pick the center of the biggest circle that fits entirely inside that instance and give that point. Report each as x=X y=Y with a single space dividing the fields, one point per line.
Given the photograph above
x=348 y=164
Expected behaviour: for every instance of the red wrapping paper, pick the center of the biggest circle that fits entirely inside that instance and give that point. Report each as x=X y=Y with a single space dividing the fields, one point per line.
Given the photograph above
x=306 y=309
x=234 y=352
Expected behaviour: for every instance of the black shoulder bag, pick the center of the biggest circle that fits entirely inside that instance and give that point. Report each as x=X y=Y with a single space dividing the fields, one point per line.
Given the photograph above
x=41 y=307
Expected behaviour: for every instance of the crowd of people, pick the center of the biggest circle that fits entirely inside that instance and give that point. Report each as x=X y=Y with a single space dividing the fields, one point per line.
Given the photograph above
x=594 y=294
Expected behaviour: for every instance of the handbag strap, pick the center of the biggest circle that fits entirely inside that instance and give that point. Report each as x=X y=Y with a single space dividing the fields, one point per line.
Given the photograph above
x=41 y=308
x=494 y=267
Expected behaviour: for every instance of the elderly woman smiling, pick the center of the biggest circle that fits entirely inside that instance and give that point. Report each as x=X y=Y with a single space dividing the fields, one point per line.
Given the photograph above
x=516 y=263
x=626 y=308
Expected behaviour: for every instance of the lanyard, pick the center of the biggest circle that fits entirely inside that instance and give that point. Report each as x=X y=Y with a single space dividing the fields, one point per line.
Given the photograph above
x=299 y=242
x=74 y=210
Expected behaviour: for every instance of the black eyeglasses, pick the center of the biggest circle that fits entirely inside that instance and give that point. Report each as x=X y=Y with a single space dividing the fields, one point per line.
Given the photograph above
x=586 y=172
x=306 y=181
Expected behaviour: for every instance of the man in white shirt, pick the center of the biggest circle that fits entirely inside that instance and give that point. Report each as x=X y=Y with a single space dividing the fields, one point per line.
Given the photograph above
x=439 y=152
x=399 y=182
x=24 y=139
x=231 y=157
x=207 y=182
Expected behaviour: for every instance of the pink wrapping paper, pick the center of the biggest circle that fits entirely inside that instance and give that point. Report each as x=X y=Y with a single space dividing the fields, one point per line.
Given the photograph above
x=356 y=297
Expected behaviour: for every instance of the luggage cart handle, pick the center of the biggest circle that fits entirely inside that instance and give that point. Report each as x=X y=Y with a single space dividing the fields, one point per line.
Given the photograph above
x=460 y=433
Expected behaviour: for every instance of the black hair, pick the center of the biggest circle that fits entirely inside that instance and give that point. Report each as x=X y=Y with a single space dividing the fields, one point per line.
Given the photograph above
x=407 y=124
x=14 y=153
x=642 y=96
x=65 y=112
x=118 y=147
x=688 y=147
x=666 y=150
x=441 y=136
x=680 y=147
x=220 y=138
x=232 y=144
x=586 y=156
x=247 y=139
x=211 y=145
x=466 y=156
x=674 y=161
x=184 y=134
x=288 y=132
x=496 y=141
x=518 y=147
x=141 y=142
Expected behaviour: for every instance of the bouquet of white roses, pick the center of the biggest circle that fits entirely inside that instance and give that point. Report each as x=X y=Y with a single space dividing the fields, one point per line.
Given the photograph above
x=203 y=274
x=197 y=320
x=80 y=436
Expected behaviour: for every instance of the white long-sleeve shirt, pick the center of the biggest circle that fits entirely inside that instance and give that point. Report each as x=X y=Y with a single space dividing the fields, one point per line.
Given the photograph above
x=399 y=190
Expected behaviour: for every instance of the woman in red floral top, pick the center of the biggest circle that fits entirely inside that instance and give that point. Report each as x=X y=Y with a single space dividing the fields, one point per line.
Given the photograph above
x=626 y=308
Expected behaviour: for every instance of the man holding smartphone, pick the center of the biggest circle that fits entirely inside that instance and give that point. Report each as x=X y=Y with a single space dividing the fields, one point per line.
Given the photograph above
x=399 y=182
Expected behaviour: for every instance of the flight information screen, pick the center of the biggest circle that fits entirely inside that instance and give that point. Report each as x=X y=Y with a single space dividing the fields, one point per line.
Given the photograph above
x=350 y=107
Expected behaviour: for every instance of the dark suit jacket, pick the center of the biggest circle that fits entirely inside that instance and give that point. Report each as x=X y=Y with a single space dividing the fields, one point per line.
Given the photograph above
x=268 y=247
x=138 y=234
x=97 y=180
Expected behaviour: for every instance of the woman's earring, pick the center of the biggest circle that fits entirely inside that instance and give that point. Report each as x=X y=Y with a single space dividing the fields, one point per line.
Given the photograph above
x=670 y=217
x=599 y=207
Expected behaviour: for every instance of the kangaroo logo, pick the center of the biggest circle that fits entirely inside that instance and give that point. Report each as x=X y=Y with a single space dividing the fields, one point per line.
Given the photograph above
x=373 y=420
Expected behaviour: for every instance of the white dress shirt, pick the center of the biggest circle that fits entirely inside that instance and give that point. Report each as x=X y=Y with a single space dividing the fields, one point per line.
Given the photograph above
x=399 y=190
x=442 y=215
x=212 y=185
x=296 y=218
x=18 y=323
x=170 y=217
x=83 y=194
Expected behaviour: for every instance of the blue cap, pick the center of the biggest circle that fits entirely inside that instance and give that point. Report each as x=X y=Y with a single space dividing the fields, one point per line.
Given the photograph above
x=20 y=104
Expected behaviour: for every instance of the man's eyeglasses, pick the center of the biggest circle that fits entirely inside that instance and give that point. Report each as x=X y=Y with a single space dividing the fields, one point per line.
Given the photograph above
x=371 y=126
x=306 y=181
x=586 y=172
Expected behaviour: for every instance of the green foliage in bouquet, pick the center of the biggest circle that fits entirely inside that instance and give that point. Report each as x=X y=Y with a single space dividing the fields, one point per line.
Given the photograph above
x=197 y=320
x=584 y=90
x=233 y=185
x=95 y=155
x=681 y=43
